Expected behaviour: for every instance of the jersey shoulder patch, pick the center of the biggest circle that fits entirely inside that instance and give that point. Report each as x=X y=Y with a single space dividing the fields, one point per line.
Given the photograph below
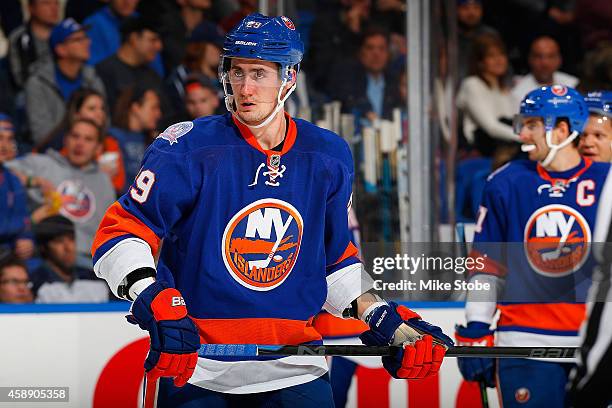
x=174 y=132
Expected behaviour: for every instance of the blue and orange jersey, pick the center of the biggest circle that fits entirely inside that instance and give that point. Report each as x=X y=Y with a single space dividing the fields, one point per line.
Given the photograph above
x=534 y=231
x=257 y=241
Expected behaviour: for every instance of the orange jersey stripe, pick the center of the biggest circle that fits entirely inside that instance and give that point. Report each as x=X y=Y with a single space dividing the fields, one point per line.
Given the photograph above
x=331 y=326
x=351 y=250
x=491 y=266
x=256 y=331
x=117 y=222
x=558 y=316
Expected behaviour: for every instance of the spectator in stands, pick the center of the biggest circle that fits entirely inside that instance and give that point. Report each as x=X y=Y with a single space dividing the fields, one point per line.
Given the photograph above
x=200 y=97
x=544 y=63
x=14 y=218
x=470 y=26
x=140 y=43
x=367 y=86
x=29 y=43
x=484 y=97
x=51 y=86
x=90 y=104
x=201 y=58
x=334 y=38
x=15 y=285
x=58 y=279
x=596 y=139
x=105 y=26
x=176 y=20
x=85 y=190
x=134 y=123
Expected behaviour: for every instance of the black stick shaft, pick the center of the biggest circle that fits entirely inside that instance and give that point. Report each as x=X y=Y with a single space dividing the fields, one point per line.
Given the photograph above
x=459 y=351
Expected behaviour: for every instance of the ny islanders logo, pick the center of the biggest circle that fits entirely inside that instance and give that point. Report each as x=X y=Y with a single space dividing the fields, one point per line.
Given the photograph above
x=261 y=243
x=78 y=201
x=557 y=240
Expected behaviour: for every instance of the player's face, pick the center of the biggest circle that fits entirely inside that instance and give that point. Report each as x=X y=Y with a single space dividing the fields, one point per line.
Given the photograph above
x=93 y=109
x=255 y=85
x=201 y=102
x=533 y=133
x=82 y=144
x=7 y=141
x=596 y=139
x=62 y=251
x=15 y=285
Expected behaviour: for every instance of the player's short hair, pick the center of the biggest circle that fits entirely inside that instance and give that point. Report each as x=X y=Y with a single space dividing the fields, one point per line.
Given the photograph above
x=136 y=25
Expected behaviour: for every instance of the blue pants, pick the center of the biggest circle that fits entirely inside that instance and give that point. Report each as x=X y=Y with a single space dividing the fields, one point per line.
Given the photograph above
x=314 y=394
x=527 y=383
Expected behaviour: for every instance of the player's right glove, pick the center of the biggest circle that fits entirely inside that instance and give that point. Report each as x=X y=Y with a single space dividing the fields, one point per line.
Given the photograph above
x=476 y=369
x=175 y=341
x=424 y=344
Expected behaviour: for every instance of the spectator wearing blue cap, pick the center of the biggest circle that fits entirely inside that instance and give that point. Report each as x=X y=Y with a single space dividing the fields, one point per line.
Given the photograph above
x=596 y=139
x=14 y=219
x=51 y=86
x=29 y=43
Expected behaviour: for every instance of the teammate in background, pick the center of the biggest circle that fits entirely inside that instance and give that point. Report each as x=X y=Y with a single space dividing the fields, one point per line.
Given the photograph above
x=252 y=207
x=534 y=227
x=590 y=381
x=596 y=139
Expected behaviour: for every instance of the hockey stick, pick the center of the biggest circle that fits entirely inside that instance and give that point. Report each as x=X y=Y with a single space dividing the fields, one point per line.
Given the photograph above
x=253 y=350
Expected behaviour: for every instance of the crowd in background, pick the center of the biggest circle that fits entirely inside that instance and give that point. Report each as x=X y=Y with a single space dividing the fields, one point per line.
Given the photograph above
x=86 y=85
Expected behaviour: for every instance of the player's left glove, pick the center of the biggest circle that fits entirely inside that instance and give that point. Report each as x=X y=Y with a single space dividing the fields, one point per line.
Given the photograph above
x=175 y=341
x=424 y=345
x=476 y=369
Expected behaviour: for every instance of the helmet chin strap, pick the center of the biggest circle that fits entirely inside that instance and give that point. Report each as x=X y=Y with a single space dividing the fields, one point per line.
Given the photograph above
x=280 y=103
x=554 y=148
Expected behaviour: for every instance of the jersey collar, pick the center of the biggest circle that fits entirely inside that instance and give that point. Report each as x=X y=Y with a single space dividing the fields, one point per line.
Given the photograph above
x=585 y=163
x=248 y=136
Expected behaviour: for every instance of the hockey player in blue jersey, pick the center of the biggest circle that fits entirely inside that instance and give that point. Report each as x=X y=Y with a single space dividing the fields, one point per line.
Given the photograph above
x=543 y=211
x=252 y=209
x=596 y=139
